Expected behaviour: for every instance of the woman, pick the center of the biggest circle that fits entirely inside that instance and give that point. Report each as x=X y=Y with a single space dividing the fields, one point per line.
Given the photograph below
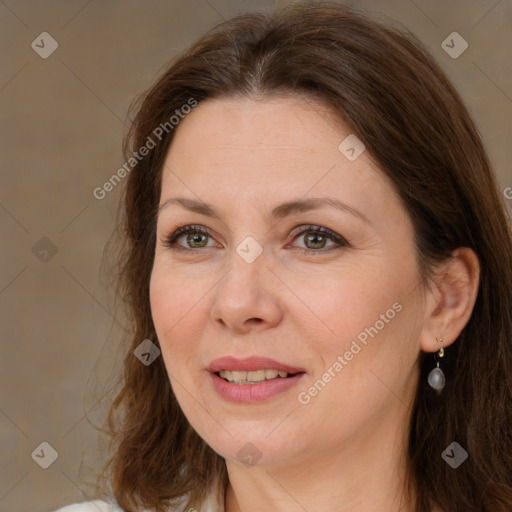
x=318 y=261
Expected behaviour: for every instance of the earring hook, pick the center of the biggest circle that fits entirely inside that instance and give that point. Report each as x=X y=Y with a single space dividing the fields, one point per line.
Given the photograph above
x=440 y=352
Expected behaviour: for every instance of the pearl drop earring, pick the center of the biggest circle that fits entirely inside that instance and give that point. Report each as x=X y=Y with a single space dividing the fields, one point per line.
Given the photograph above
x=436 y=378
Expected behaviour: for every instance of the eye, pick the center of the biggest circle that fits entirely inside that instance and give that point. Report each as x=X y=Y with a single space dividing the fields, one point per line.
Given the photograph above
x=195 y=235
x=316 y=236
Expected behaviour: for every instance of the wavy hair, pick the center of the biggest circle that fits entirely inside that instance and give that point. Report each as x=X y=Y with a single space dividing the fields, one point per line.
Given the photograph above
x=380 y=81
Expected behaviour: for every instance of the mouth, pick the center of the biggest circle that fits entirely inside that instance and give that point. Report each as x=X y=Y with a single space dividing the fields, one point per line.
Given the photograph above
x=252 y=379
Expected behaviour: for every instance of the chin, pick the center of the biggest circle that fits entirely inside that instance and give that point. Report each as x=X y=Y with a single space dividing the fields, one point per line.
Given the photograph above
x=255 y=446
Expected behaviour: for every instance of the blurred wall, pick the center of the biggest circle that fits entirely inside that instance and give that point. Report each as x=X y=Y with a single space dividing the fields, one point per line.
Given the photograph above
x=63 y=117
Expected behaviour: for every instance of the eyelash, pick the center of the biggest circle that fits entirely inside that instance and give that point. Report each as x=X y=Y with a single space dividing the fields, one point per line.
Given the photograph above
x=193 y=229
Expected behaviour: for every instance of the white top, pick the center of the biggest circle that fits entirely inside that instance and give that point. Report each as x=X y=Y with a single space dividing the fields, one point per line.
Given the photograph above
x=211 y=504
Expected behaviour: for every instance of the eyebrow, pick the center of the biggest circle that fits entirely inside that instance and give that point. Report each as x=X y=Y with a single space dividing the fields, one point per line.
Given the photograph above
x=278 y=212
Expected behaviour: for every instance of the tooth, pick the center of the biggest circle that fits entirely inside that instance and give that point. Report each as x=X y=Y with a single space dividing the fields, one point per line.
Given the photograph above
x=256 y=376
x=271 y=374
x=239 y=376
x=225 y=374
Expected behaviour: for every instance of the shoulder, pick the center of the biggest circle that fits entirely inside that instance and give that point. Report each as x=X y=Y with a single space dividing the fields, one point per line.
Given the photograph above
x=211 y=504
x=89 y=506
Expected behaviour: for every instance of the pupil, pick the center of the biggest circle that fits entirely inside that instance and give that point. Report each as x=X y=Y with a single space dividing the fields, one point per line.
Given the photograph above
x=195 y=237
x=317 y=237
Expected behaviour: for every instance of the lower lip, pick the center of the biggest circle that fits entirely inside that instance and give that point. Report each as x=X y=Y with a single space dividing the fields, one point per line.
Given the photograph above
x=252 y=393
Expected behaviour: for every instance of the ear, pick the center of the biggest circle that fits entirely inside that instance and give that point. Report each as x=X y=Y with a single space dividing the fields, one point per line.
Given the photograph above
x=451 y=299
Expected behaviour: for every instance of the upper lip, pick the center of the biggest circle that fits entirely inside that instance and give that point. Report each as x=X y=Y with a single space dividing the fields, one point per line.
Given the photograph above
x=248 y=364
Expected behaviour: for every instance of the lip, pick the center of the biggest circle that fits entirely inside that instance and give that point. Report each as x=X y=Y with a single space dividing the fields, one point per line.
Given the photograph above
x=252 y=393
x=248 y=364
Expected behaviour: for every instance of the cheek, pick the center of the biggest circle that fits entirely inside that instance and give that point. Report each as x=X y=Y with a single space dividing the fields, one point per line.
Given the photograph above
x=173 y=306
x=364 y=328
x=341 y=304
x=373 y=352
x=172 y=297
x=175 y=311
x=163 y=302
x=366 y=317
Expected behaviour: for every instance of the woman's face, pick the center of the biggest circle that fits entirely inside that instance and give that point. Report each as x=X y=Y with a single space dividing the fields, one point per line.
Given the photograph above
x=341 y=309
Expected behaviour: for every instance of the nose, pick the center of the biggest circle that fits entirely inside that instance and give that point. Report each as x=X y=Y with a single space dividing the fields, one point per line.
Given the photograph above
x=248 y=297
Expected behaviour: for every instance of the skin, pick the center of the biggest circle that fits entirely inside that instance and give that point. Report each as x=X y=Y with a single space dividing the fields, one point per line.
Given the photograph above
x=347 y=445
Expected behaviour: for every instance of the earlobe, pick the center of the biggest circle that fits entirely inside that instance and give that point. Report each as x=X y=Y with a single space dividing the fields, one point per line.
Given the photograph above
x=451 y=301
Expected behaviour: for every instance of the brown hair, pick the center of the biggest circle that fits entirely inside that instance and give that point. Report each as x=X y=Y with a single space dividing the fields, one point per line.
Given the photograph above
x=380 y=82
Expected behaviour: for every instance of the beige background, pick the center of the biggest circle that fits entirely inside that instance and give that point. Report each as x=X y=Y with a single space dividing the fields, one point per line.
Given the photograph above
x=62 y=125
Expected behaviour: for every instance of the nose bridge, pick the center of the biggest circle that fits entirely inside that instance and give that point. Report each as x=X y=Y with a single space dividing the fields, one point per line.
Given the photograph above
x=247 y=263
x=244 y=292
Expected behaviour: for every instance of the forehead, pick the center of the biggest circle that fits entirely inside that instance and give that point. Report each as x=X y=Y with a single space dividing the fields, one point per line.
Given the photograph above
x=270 y=147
